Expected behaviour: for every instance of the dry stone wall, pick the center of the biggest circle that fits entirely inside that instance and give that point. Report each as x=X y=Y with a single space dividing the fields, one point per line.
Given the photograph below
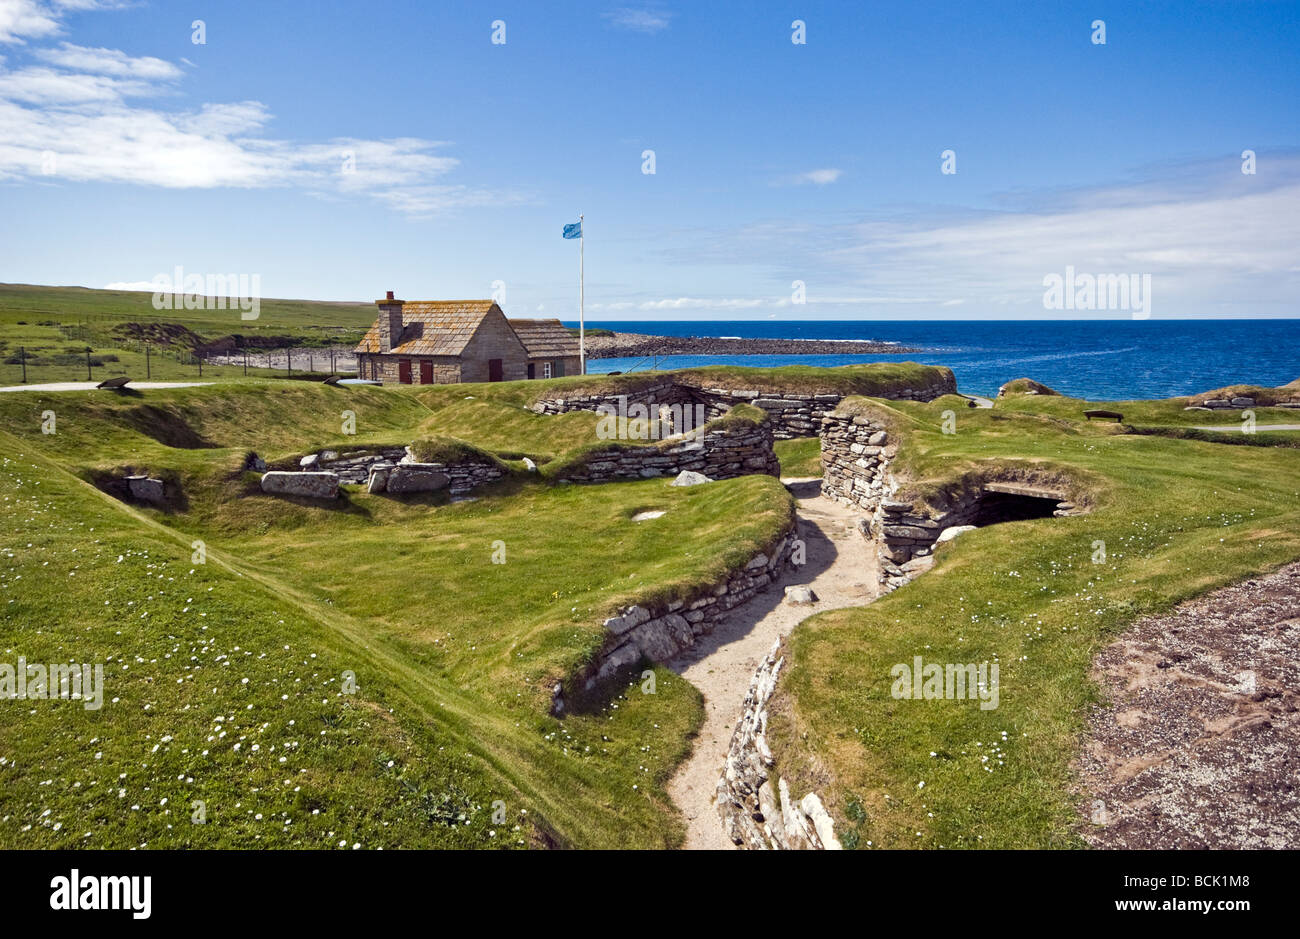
x=307 y=485
x=791 y=414
x=383 y=469
x=856 y=451
x=659 y=633
x=856 y=455
x=1236 y=404
x=756 y=813
x=722 y=452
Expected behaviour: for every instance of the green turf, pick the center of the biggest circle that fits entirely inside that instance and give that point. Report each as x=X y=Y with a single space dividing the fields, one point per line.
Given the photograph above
x=53 y=326
x=455 y=653
x=800 y=457
x=1177 y=517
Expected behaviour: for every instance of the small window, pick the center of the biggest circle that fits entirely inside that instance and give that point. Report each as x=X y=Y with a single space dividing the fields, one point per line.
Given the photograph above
x=546 y=369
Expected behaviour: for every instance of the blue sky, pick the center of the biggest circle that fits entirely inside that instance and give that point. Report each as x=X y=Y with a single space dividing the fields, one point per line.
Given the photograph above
x=126 y=150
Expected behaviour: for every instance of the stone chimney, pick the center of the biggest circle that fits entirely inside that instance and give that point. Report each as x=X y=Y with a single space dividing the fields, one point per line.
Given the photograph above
x=390 y=323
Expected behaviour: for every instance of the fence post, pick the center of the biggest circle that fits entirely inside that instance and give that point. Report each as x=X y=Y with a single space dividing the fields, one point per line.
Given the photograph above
x=22 y=355
x=147 y=372
x=289 y=360
x=89 y=377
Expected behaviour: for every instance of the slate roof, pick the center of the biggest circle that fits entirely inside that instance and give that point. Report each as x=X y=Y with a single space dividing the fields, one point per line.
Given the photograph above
x=545 y=338
x=433 y=327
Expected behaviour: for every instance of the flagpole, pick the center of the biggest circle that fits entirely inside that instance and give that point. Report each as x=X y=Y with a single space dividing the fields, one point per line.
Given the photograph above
x=582 y=330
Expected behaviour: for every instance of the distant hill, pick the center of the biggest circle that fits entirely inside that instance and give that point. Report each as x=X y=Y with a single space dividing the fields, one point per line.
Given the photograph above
x=93 y=308
x=50 y=328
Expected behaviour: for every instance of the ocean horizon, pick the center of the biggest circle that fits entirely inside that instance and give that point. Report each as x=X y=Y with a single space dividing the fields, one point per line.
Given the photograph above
x=1102 y=360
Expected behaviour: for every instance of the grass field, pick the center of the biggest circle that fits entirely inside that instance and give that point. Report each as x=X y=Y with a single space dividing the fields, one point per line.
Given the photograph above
x=55 y=325
x=1173 y=517
x=454 y=655
x=1170 y=416
x=233 y=625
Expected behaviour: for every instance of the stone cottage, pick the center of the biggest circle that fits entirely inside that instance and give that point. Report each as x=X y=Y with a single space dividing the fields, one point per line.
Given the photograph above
x=552 y=350
x=442 y=342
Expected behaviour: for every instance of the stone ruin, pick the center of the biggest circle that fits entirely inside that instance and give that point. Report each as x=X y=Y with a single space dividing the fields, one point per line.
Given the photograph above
x=791 y=414
x=720 y=451
x=856 y=456
x=387 y=469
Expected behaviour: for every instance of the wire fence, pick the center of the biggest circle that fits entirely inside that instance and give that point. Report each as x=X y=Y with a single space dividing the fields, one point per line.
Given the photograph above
x=143 y=361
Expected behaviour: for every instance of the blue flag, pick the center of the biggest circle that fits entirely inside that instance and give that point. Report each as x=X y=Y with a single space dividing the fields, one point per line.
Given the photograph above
x=573 y=231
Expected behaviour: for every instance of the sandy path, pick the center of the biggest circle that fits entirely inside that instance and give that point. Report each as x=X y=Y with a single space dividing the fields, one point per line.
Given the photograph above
x=841 y=570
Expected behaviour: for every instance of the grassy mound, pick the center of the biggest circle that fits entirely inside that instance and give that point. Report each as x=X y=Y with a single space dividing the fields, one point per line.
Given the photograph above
x=1171 y=518
x=455 y=619
x=875 y=378
x=1263 y=395
x=450 y=451
x=1025 y=386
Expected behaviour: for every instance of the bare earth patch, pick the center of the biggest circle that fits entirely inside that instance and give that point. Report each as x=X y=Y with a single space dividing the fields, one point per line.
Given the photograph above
x=1200 y=744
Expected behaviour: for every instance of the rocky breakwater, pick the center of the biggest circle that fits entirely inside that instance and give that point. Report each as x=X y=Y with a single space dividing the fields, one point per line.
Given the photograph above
x=756 y=813
x=619 y=345
x=657 y=634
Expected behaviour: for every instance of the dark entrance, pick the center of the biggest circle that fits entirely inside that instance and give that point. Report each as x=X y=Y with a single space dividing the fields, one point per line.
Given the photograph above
x=404 y=371
x=426 y=372
x=995 y=507
x=494 y=370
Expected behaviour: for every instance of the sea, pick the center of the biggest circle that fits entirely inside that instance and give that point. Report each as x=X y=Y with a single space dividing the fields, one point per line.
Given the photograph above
x=1111 y=360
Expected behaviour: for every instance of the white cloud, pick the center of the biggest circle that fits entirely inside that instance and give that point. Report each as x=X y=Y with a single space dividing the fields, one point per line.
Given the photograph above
x=643 y=20
x=26 y=18
x=82 y=108
x=44 y=86
x=1216 y=242
x=819 y=177
x=683 y=303
x=110 y=62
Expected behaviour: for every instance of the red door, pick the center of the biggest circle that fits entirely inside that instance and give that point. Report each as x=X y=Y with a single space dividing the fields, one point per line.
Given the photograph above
x=404 y=371
x=494 y=370
x=426 y=372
